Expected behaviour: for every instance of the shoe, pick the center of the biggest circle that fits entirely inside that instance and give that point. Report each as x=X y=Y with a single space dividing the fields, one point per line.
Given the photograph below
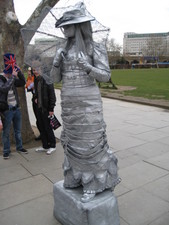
x=38 y=138
x=87 y=197
x=6 y=155
x=23 y=150
x=50 y=150
x=41 y=149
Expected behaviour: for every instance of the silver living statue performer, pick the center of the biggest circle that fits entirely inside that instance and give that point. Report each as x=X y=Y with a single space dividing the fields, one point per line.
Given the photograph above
x=88 y=159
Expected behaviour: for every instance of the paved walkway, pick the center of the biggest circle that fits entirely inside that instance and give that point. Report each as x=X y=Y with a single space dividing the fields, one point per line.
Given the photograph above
x=139 y=136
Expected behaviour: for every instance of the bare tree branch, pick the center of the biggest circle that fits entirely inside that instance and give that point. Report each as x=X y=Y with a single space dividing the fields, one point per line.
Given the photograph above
x=37 y=17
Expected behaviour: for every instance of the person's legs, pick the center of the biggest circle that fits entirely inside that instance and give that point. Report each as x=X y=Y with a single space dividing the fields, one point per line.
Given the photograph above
x=35 y=110
x=49 y=134
x=17 y=123
x=49 y=131
x=8 y=115
x=42 y=129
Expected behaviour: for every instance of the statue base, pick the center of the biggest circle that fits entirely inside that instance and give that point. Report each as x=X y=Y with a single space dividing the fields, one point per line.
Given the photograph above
x=69 y=210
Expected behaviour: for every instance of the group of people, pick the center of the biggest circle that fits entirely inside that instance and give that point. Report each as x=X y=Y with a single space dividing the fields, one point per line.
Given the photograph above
x=43 y=102
x=88 y=160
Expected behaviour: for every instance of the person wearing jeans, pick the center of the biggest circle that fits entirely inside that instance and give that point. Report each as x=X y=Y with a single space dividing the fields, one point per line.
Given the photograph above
x=13 y=115
x=9 y=103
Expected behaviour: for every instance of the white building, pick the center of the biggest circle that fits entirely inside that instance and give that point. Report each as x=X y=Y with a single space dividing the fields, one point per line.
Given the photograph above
x=146 y=44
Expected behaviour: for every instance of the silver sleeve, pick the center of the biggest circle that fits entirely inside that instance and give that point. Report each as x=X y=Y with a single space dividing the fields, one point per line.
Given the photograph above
x=55 y=74
x=100 y=69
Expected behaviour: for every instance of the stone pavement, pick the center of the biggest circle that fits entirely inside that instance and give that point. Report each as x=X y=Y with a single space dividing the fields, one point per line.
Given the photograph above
x=139 y=136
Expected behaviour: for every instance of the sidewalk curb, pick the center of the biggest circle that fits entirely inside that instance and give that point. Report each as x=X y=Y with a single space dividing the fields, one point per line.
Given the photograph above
x=156 y=103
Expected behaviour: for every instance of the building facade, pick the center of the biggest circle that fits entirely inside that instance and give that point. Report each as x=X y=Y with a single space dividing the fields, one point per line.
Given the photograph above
x=146 y=44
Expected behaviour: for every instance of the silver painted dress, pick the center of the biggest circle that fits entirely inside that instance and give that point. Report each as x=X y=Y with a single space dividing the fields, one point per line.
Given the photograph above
x=88 y=160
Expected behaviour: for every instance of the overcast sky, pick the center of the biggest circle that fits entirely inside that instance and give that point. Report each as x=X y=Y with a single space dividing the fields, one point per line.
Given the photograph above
x=145 y=16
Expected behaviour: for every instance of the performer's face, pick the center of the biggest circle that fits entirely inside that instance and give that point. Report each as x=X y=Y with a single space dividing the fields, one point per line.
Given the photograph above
x=69 y=31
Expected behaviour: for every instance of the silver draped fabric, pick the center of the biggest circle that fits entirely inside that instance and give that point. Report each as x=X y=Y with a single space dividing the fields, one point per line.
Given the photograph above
x=88 y=161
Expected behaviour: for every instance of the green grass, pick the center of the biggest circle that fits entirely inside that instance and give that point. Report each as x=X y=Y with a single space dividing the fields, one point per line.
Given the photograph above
x=149 y=83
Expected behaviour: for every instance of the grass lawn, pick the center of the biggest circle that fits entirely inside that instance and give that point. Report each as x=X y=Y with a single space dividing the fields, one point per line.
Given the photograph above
x=149 y=83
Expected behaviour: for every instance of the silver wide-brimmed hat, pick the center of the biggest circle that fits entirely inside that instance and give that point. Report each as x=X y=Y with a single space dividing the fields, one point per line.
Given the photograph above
x=73 y=17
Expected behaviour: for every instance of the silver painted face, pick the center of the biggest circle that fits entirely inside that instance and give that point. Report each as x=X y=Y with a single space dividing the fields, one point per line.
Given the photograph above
x=69 y=31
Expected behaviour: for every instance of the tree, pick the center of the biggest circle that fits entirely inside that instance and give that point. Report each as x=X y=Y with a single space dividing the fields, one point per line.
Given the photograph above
x=113 y=46
x=156 y=47
x=11 y=41
x=114 y=51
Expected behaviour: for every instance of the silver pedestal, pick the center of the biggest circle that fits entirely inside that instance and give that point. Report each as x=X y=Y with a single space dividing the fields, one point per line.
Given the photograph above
x=69 y=210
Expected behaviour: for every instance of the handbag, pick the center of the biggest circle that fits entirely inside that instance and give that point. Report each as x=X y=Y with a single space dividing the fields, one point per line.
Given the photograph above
x=54 y=122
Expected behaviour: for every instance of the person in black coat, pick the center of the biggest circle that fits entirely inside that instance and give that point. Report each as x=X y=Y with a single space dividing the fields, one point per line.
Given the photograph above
x=45 y=99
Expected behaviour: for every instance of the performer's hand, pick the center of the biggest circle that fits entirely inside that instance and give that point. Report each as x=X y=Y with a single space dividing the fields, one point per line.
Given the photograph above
x=59 y=56
x=83 y=63
x=60 y=51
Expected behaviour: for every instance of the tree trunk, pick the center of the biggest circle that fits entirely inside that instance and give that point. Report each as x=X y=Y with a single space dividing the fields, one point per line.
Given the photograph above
x=11 y=42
